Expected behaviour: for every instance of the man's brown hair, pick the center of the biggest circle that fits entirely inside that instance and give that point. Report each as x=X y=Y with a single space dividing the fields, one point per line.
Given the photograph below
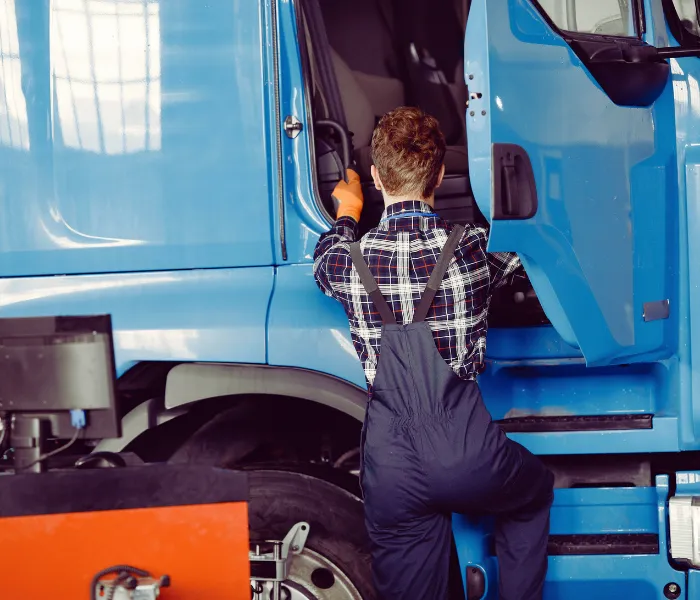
x=408 y=150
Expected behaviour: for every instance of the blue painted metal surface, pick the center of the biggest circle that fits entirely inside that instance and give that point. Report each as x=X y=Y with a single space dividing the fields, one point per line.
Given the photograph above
x=304 y=220
x=531 y=371
x=693 y=585
x=685 y=74
x=140 y=139
x=525 y=343
x=306 y=329
x=554 y=387
x=605 y=181
x=601 y=510
x=207 y=315
x=159 y=176
x=633 y=510
x=309 y=330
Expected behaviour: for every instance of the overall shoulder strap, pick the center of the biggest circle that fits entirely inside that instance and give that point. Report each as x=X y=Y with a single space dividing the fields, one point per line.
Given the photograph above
x=370 y=285
x=448 y=251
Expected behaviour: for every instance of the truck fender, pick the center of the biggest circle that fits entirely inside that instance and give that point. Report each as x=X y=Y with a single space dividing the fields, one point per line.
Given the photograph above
x=190 y=383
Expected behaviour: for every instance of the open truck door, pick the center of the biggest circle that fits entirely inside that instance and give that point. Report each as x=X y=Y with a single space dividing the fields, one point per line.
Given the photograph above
x=572 y=159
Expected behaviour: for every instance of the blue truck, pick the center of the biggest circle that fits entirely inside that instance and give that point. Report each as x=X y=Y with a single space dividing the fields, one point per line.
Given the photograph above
x=170 y=162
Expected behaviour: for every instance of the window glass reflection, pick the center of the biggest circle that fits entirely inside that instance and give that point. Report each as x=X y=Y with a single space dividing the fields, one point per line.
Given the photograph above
x=687 y=11
x=13 y=108
x=106 y=74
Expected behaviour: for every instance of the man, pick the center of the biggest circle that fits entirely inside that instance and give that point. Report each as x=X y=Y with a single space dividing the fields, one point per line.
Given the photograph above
x=416 y=292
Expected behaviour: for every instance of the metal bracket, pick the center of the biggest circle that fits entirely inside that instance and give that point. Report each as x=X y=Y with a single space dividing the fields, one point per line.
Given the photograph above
x=295 y=540
x=273 y=566
x=293 y=126
x=130 y=584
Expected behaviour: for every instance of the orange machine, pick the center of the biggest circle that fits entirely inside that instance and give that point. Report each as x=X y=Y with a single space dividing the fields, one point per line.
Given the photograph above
x=61 y=528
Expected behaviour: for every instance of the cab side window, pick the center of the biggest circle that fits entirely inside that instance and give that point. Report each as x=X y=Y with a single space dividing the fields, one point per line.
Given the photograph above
x=600 y=17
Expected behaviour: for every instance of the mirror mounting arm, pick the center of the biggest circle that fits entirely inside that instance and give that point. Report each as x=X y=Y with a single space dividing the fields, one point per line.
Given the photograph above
x=677 y=52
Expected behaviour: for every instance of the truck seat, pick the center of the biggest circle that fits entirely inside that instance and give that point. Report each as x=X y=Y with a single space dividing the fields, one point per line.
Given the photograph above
x=362 y=111
x=361 y=32
x=366 y=36
x=453 y=199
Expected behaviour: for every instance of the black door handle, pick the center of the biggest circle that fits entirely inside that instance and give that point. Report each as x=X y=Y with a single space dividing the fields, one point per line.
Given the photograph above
x=509 y=188
x=514 y=190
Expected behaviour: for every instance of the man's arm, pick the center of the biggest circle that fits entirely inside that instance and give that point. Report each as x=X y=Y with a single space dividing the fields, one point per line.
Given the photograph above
x=505 y=268
x=331 y=258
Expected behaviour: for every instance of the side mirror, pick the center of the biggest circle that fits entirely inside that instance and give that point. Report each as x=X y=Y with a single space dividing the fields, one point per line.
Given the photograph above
x=630 y=72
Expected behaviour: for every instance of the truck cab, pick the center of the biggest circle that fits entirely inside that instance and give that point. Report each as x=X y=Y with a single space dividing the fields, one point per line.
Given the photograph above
x=171 y=164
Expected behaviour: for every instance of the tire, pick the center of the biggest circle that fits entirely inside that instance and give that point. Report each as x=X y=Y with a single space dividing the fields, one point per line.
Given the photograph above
x=279 y=499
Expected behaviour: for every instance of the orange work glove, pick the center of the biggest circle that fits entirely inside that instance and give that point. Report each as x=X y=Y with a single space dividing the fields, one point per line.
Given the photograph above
x=349 y=196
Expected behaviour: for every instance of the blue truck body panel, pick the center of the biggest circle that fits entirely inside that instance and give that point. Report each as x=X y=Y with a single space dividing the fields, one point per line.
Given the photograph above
x=309 y=330
x=216 y=315
x=140 y=138
x=144 y=172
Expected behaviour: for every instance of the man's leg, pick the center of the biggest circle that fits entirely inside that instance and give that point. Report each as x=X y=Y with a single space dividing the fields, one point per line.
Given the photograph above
x=411 y=560
x=515 y=487
x=522 y=528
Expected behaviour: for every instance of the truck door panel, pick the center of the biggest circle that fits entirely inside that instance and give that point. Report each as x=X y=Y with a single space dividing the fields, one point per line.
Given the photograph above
x=597 y=248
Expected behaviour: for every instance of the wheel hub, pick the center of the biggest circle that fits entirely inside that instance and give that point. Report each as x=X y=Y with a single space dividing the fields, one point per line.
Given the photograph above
x=294 y=572
x=312 y=576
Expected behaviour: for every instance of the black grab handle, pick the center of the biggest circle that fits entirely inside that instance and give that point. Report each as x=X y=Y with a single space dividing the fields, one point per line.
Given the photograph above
x=344 y=141
x=514 y=189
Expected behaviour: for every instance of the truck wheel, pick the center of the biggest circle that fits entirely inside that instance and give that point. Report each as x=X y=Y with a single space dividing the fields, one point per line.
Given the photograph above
x=335 y=562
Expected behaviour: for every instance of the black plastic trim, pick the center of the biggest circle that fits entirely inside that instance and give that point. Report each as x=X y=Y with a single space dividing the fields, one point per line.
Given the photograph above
x=639 y=17
x=476 y=583
x=631 y=72
x=600 y=545
x=94 y=490
x=542 y=424
x=514 y=188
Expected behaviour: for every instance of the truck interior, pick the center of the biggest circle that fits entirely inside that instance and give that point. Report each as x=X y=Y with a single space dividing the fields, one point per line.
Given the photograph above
x=364 y=58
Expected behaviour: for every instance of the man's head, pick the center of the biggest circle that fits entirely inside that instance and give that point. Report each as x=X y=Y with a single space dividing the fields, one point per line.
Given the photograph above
x=408 y=150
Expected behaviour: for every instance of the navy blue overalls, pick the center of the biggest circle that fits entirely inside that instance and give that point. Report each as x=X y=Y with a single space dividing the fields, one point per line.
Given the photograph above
x=429 y=449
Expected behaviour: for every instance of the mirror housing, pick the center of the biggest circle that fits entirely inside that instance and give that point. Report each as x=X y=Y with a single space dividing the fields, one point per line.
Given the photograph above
x=629 y=71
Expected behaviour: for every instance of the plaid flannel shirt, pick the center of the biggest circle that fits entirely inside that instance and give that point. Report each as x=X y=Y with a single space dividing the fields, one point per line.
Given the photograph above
x=401 y=253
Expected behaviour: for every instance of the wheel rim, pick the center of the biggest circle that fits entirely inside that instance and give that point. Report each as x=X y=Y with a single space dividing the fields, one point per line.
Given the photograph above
x=312 y=576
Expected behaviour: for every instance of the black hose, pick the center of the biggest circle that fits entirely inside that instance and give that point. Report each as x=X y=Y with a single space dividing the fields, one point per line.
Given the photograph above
x=118 y=581
x=122 y=571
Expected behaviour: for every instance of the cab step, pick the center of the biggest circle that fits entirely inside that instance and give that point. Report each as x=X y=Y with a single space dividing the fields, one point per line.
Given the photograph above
x=629 y=544
x=543 y=424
